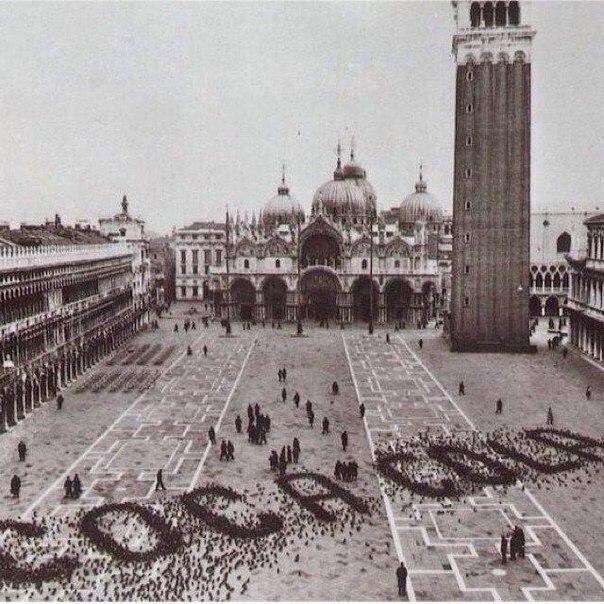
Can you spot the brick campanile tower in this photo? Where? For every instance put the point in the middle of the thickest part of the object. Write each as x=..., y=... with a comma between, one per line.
x=491, y=189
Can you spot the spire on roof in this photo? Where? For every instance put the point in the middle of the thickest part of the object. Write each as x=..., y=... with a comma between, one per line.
x=421, y=185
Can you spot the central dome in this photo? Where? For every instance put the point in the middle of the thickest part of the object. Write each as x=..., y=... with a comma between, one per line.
x=348, y=195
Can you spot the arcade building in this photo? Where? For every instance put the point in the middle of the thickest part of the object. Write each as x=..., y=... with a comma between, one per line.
x=344, y=261
x=66, y=300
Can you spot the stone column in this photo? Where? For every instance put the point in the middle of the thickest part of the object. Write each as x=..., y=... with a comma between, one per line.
x=19, y=393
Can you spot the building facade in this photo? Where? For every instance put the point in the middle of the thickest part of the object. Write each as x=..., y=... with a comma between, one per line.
x=199, y=251
x=124, y=228
x=491, y=195
x=586, y=299
x=161, y=271
x=65, y=302
x=554, y=235
x=344, y=262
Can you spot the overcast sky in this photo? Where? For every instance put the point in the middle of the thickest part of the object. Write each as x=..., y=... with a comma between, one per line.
x=187, y=107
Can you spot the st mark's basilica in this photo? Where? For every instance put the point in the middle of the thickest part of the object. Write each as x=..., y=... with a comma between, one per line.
x=322, y=265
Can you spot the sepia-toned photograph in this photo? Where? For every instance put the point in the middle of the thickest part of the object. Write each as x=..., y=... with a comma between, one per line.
x=301, y=301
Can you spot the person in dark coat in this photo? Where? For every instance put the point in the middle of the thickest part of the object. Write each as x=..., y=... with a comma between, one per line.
x=499, y=406
x=205, y=350
x=212, y=435
x=519, y=541
x=308, y=406
x=362, y=410
x=335, y=388
x=296, y=450
x=250, y=413
x=238, y=424
x=21, y=450
x=297, y=400
x=290, y=457
x=231, y=451
x=387, y=338
x=60, y=400
x=256, y=410
x=421, y=343
x=189, y=351
x=550, y=417
x=504, y=549
x=401, y=579
x=462, y=389
x=344, y=439
x=283, y=371
x=284, y=394
x=76, y=486
x=15, y=486
x=325, y=426
x=67, y=487
x=338, y=470
x=159, y=480
x=311, y=418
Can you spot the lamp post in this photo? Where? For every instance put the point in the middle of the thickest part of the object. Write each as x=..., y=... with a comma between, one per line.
x=299, y=328
x=228, y=274
x=371, y=221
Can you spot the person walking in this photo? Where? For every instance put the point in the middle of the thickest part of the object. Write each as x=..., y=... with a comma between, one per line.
x=212, y=435
x=60, y=400
x=159, y=480
x=387, y=338
x=297, y=400
x=504, y=548
x=15, y=486
x=462, y=389
x=67, y=487
x=311, y=418
x=238, y=424
x=401, y=579
x=231, y=450
x=588, y=393
x=223, y=451
x=344, y=439
x=76, y=486
x=499, y=406
x=421, y=343
x=362, y=410
x=325, y=426
x=21, y=450
x=284, y=394
x=205, y=350
x=550, y=417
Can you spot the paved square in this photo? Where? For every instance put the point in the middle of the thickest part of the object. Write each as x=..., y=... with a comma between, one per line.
x=151, y=405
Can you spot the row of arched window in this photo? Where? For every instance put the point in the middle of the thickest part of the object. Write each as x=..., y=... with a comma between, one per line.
x=489, y=14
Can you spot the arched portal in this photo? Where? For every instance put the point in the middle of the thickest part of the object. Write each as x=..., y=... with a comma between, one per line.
x=319, y=289
x=275, y=295
x=534, y=306
x=320, y=244
x=361, y=299
x=398, y=299
x=243, y=296
x=552, y=306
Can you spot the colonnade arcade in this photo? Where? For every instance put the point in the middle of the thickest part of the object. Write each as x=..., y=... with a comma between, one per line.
x=25, y=388
x=321, y=295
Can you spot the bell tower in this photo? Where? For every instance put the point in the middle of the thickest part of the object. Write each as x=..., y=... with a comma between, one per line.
x=491, y=189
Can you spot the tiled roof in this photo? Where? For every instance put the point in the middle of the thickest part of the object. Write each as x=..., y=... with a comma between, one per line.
x=199, y=226
x=51, y=235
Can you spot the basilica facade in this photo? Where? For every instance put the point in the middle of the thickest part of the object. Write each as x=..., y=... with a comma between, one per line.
x=343, y=261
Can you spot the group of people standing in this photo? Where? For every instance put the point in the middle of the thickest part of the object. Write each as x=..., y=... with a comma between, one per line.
x=516, y=544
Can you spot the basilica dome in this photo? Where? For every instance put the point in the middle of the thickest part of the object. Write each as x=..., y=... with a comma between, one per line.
x=348, y=195
x=420, y=205
x=281, y=208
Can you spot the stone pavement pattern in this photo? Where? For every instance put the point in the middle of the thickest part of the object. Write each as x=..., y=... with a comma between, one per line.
x=452, y=552
x=166, y=427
